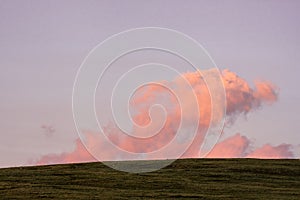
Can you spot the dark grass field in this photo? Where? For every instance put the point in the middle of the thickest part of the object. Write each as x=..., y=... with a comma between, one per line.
x=188, y=178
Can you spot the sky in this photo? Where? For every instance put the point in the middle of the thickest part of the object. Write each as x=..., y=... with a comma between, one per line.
x=43, y=43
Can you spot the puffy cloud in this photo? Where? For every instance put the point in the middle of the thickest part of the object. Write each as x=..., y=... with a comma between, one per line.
x=240, y=99
x=274, y=152
x=232, y=147
x=236, y=146
x=79, y=154
x=239, y=146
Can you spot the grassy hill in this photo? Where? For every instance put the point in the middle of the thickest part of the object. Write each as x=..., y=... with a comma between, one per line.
x=188, y=178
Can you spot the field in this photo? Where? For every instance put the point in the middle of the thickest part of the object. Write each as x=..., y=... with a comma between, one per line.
x=187, y=178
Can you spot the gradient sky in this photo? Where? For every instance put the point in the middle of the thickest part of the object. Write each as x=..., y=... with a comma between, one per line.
x=42, y=44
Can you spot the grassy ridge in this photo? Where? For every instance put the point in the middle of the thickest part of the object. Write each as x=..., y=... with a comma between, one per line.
x=188, y=178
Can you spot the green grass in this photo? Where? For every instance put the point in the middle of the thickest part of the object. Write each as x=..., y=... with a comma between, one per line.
x=188, y=178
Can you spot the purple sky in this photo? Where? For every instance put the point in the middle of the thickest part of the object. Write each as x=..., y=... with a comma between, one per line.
x=42, y=44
